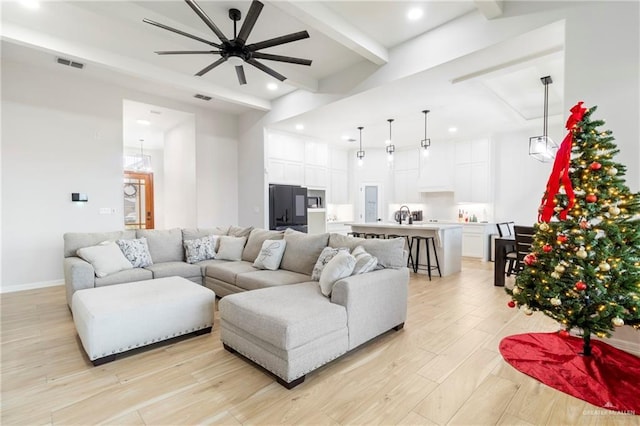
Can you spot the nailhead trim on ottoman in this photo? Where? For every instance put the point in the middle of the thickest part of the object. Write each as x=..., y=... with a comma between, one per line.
x=118, y=318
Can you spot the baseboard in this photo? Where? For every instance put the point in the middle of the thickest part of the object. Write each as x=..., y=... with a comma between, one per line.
x=30, y=286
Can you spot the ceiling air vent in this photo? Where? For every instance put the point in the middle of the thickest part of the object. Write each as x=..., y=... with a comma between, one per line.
x=70, y=63
x=203, y=97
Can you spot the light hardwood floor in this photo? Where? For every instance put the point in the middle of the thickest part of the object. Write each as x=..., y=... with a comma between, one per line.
x=444, y=367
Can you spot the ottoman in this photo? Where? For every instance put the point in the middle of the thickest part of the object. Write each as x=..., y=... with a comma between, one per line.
x=289, y=330
x=118, y=318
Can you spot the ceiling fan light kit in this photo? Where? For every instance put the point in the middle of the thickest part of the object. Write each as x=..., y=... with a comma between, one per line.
x=236, y=51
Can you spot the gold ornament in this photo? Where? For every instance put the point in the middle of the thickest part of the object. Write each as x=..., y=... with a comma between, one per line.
x=612, y=171
x=614, y=211
x=555, y=301
x=582, y=253
x=555, y=275
x=528, y=311
x=559, y=269
x=516, y=290
x=604, y=266
x=544, y=227
x=617, y=321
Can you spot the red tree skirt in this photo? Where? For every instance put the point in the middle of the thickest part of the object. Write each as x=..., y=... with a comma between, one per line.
x=609, y=378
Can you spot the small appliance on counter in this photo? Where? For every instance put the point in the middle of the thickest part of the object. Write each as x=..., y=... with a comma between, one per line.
x=314, y=202
x=417, y=215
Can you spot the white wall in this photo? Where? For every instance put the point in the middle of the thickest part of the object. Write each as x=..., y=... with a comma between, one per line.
x=62, y=133
x=374, y=170
x=180, y=176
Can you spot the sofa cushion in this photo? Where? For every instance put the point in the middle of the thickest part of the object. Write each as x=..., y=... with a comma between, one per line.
x=239, y=231
x=364, y=261
x=340, y=266
x=106, y=258
x=209, y=262
x=264, y=278
x=76, y=240
x=195, y=233
x=164, y=245
x=390, y=253
x=228, y=271
x=169, y=269
x=270, y=255
x=126, y=276
x=326, y=255
x=302, y=251
x=136, y=251
x=230, y=248
x=255, y=240
x=200, y=249
x=287, y=316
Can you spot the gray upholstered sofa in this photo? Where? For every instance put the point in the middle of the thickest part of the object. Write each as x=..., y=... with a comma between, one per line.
x=285, y=323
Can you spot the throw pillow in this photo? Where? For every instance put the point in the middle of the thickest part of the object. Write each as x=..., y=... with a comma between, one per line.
x=327, y=254
x=364, y=261
x=341, y=266
x=270, y=255
x=238, y=231
x=231, y=248
x=106, y=258
x=200, y=249
x=302, y=251
x=136, y=251
x=255, y=240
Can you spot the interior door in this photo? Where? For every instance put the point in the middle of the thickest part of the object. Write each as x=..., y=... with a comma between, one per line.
x=138, y=200
x=370, y=203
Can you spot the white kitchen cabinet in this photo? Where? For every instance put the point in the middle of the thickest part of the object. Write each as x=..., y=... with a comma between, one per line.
x=406, y=160
x=316, y=154
x=472, y=182
x=436, y=168
x=286, y=147
x=315, y=176
x=338, y=159
x=339, y=188
x=406, y=186
x=476, y=239
x=285, y=172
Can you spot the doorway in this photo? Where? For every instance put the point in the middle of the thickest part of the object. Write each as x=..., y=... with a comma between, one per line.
x=369, y=202
x=138, y=200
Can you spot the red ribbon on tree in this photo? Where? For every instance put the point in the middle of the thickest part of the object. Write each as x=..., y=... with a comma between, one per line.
x=560, y=172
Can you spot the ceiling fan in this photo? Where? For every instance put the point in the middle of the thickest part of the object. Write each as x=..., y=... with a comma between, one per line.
x=236, y=51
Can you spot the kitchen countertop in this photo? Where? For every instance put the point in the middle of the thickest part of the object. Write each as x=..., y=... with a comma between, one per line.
x=418, y=225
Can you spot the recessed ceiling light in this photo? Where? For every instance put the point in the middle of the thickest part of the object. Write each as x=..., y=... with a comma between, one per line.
x=345, y=137
x=143, y=122
x=272, y=86
x=414, y=14
x=30, y=4
x=299, y=126
x=453, y=129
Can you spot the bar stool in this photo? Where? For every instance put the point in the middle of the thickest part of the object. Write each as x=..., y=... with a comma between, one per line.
x=356, y=234
x=416, y=243
x=374, y=235
x=410, y=263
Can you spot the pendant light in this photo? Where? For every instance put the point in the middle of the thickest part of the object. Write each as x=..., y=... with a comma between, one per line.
x=360, y=153
x=390, y=146
x=543, y=148
x=426, y=142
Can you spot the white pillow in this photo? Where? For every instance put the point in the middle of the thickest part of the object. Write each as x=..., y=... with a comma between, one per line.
x=339, y=267
x=106, y=258
x=231, y=247
x=364, y=261
x=200, y=249
x=136, y=251
x=326, y=255
x=270, y=254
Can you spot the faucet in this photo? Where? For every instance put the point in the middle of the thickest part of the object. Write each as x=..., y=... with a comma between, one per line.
x=410, y=219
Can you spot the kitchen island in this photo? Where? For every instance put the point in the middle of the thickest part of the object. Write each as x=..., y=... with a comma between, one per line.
x=448, y=239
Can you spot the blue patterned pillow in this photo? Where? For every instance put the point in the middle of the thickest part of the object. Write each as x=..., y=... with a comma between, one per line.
x=136, y=251
x=200, y=249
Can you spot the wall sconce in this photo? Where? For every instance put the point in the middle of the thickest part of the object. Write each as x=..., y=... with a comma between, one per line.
x=390, y=146
x=426, y=142
x=543, y=148
x=77, y=196
x=360, y=153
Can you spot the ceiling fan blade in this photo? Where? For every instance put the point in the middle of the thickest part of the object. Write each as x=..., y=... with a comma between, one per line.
x=280, y=58
x=193, y=5
x=240, y=73
x=182, y=33
x=186, y=52
x=278, y=40
x=249, y=21
x=266, y=69
x=210, y=67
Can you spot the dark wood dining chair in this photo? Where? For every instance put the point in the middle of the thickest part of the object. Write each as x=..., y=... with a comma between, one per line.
x=505, y=229
x=524, y=240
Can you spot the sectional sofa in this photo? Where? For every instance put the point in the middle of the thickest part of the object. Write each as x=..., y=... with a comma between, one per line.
x=282, y=318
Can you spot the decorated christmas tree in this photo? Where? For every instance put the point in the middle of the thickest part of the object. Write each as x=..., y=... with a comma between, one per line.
x=584, y=266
